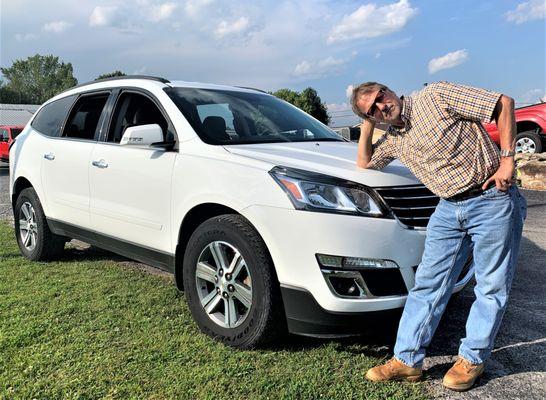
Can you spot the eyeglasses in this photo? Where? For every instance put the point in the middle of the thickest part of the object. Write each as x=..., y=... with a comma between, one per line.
x=373, y=108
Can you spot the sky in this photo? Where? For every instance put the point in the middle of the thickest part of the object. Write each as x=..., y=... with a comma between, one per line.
x=272, y=44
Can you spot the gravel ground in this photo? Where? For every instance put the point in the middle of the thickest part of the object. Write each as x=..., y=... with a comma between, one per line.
x=517, y=369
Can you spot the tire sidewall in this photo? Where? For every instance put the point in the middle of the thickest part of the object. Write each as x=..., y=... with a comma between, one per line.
x=214, y=230
x=536, y=138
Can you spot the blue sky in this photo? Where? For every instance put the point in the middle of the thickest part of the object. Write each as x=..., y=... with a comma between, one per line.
x=329, y=45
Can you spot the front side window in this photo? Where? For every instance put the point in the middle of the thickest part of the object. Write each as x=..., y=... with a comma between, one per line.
x=231, y=117
x=4, y=135
x=133, y=109
x=84, y=118
x=50, y=118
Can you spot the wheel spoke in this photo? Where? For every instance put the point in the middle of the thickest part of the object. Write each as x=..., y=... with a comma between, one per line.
x=23, y=225
x=236, y=259
x=212, y=303
x=26, y=240
x=238, y=267
x=218, y=254
x=205, y=271
x=32, y=239
x=25, y=211
x=230, y=316
x=243, y=294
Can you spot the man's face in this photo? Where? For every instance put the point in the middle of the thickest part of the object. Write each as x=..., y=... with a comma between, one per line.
x=381, y=105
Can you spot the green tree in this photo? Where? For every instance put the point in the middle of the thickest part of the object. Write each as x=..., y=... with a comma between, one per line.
x=111, y=75
x=308, y=100
x=37, y=79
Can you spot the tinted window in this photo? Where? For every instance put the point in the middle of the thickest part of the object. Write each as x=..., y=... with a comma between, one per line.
x=134, y=109
x=15, y=132
x=232, y=117
x=3, y=134
x=84, y=117
x=51, y=117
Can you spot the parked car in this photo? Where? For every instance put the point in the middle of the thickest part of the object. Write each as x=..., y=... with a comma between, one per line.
x=7, y=134
x=257, y=208
x=530, y=126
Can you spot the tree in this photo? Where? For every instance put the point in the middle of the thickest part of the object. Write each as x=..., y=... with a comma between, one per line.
x=308, y=100
x=111, y=75
x=36, y=79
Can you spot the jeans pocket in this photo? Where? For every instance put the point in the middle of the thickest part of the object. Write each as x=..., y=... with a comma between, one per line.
x=494, y=193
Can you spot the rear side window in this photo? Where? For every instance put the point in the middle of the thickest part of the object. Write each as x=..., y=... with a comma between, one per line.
x=84, y=118
x=50, y=118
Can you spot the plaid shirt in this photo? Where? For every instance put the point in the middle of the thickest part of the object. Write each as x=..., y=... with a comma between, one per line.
x=443, y=142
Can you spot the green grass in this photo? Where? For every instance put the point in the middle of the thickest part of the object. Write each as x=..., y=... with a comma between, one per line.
x=88, y=327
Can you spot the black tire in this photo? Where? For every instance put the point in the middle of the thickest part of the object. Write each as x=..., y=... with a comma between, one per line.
x=265, y=320
x=47, y=245
x=531, y=137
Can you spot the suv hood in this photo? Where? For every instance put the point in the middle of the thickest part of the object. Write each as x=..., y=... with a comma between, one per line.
x=330, y=158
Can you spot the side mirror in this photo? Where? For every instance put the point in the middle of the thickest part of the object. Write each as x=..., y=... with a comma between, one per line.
x=142, y=135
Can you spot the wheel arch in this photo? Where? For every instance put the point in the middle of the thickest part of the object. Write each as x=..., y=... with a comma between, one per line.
x=527, y=125
x=193, y=218
x=19, y=185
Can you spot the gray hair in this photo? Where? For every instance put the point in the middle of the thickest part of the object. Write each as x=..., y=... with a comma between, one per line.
x=364, y=88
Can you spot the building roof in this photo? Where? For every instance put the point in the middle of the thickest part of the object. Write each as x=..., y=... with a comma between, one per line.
x=16, y=114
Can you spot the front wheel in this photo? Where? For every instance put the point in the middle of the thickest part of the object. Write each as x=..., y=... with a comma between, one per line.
x=35, y=239
x=528, y=142
x=230, y=283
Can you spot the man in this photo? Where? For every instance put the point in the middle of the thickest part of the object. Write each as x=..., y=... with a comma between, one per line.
x=437, y=134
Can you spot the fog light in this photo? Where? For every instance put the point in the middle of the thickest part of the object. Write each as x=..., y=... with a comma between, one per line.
x=353, y=263
x=330, y=261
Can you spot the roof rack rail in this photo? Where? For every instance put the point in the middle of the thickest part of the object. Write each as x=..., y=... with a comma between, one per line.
x=115, y=78
x=251, y=88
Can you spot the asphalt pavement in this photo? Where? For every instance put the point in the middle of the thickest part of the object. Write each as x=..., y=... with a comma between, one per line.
x=517, y=368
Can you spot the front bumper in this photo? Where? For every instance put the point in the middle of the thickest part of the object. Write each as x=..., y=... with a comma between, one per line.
x=294, y=238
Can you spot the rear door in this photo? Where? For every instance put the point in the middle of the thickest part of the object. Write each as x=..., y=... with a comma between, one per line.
x=66, y=160
x=131, y=186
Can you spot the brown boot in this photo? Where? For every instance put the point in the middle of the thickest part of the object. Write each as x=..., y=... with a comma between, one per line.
x=462, y=375
x=394, y=370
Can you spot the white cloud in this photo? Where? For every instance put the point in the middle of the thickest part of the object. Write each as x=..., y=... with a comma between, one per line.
x=349, y=90
x=23, y=37
x=103, y=16
x=57, y=26
x=225, y=28
x=162, y=11
x=377, y=55
x=531, y=96
x=447, y=61
x=527, y=11
x=194, y=7
x=319, y=69
x=338, y=108
x=371, y=20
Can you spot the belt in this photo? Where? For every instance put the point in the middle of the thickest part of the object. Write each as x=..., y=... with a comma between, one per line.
x=474, y=191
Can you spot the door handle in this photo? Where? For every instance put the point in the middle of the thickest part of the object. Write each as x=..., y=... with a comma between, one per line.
x=49, y=156
x=100, y=163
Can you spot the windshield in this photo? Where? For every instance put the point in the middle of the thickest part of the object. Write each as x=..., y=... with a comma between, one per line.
x=230, y=117
x=15, y=132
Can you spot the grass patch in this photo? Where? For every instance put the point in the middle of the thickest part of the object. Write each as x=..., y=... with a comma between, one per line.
x=88, y=328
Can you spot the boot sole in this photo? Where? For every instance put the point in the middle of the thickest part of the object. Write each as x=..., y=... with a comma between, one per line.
x=462, y=387
x=412, y=379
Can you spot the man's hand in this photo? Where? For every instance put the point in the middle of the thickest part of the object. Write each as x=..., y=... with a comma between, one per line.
x=503, y=178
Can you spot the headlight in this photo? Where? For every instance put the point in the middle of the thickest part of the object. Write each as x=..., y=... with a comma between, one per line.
x=323, y=193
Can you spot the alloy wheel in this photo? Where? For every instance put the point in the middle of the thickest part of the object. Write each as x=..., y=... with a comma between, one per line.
x=28, y=228
x=525, y=145
x=224, y=284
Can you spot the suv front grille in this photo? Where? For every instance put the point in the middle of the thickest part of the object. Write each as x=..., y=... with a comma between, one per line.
x=413, y=205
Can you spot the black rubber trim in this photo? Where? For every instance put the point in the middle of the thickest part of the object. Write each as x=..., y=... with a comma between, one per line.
x=306, y=317
x=159, y=259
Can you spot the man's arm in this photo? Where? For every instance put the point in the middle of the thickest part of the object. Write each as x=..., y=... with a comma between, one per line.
x=506, y=123
x=365, y=149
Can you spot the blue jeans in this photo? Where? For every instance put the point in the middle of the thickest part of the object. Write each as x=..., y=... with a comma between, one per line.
x=490, y=227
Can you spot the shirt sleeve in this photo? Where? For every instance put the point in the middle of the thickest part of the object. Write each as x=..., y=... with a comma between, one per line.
x=384, y=152
x=466, y=101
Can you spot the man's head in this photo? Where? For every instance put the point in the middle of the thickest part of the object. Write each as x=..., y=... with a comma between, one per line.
x=376, y=102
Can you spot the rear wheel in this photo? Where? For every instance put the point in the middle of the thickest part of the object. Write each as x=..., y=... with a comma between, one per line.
x=35, y=239
x=528, y=142
x=230, y=283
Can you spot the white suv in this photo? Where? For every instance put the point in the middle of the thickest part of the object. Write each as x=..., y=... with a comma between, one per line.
x=257, y=208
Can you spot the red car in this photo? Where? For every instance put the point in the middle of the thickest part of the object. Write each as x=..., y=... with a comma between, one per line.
x=7, y=134
x=531, y=129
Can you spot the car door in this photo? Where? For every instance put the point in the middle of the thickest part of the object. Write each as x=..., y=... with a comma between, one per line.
x=66, y=159
x=130, y=185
